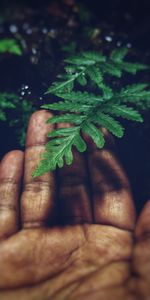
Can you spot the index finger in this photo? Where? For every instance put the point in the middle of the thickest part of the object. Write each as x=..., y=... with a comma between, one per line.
x=37, y=202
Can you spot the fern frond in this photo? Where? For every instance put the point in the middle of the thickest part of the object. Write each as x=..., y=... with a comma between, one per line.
x=125, y=112
x=119, y=54
x=109, y=123
x=87, y=110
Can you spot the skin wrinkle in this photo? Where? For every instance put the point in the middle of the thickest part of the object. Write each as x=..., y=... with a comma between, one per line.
x=84, y=279
x=97, y=269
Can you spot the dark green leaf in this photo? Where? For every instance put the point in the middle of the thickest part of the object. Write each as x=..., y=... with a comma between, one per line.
x=125, y=112
x=109, y=123
x=94, y=133
x=118, y=55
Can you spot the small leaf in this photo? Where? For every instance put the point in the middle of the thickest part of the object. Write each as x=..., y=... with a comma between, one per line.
x=79, y=59
x=107, y=91
x=125, y=112
x=118, y=55
x=68, y=118
x=109, y=123
x=94, y=56
x=61, y=86
x=62, y=131
x=80, y=143
x=82, y=80
x=68, y=156
x=68, y=106
x=134, y=88
x=95, y=134
x=11, y=46
x=132, y=68
x=112, y=69
x=81, y=97
x=2, y=116
x=95, y=75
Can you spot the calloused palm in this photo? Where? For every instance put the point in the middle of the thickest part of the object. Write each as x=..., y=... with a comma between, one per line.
x=70, y=243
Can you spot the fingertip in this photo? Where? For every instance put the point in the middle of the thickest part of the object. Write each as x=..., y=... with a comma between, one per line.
x=38, y=128
x=12, y=165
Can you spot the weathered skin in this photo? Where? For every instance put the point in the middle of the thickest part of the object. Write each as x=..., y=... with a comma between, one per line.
x=67, y=243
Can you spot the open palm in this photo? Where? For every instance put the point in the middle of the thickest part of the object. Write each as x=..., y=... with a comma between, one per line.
x=70, y=243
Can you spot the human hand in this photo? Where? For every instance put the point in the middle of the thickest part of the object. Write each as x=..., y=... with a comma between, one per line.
x=65, y=243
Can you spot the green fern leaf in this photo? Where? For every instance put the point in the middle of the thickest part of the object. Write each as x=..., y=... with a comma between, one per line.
x=68, y=156
x=134, y=88
x=94, y=56
x=11, y=46
x=82, y=80
x=107, y=91
x=67, y=106
x=79, y=143
x=125, y=112
x=109, y=123
x=2, y=116
x=112, y=69
x=119, y=54
x=95, y=75
x=126, y=96
x=132, y=68
x=6, y=103
x=67, y=118
x=80, y=60
x=94, y=133
x=61, y=86
x=70, y=69
x=81, y=97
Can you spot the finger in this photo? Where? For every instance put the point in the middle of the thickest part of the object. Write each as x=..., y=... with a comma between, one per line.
x=37, y=202
x=74, y=196
x=11, y=171
x=112, y=199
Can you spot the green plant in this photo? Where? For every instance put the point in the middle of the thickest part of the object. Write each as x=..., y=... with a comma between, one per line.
x=16, y=112
x=96, y=106
x=11, y=46
x=5, y=104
